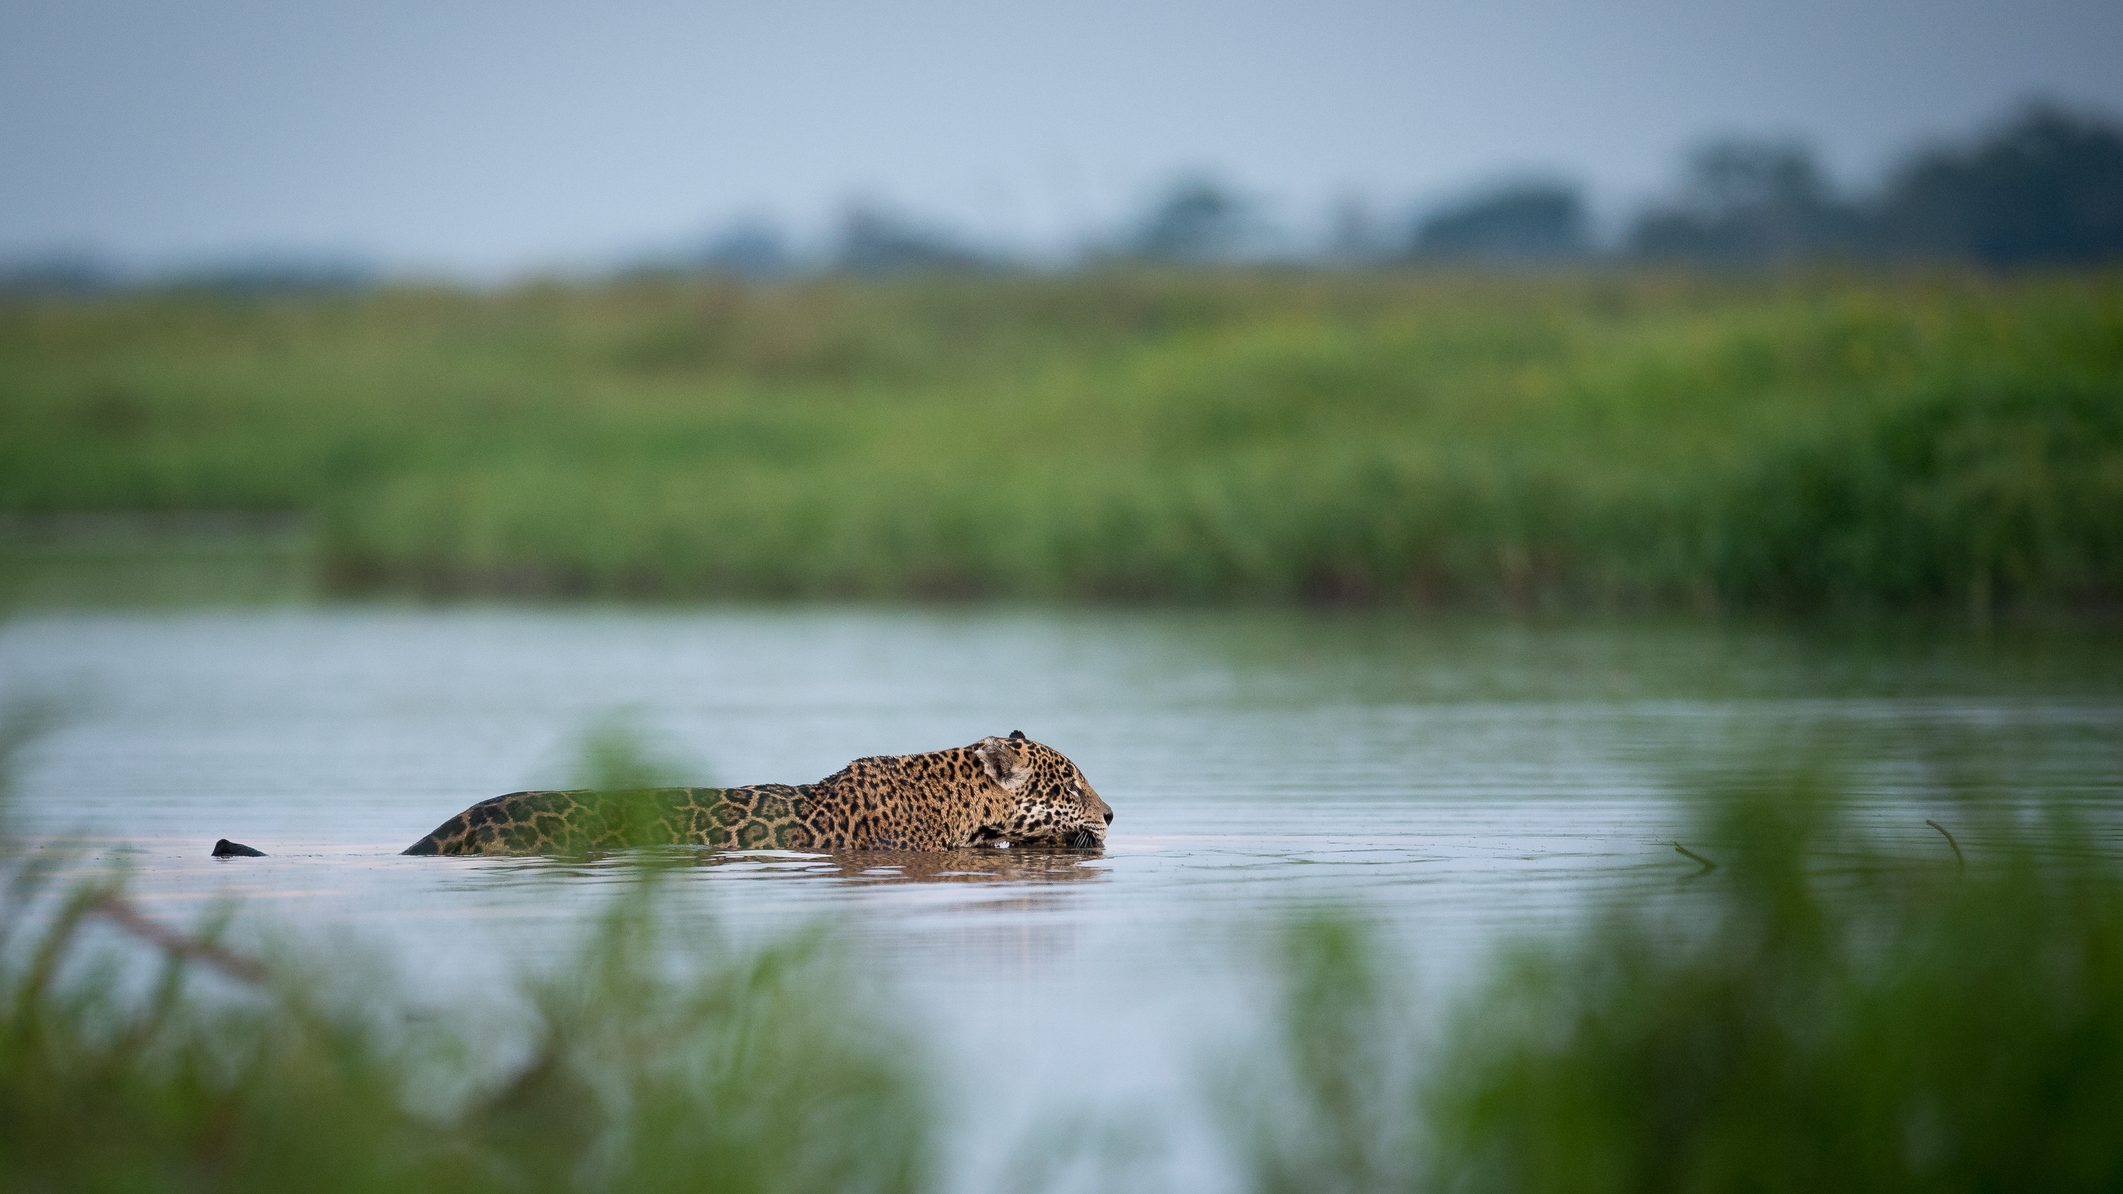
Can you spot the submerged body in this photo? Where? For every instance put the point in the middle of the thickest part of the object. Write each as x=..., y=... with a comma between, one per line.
x=997, y=790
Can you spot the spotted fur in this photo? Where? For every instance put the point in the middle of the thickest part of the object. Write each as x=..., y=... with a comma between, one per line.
x=998, y=790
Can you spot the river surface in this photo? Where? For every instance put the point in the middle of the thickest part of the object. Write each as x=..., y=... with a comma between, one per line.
x=1459, y=782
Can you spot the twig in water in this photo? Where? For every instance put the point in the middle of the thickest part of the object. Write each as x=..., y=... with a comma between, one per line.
x=1958, y=861
x=1708, y=866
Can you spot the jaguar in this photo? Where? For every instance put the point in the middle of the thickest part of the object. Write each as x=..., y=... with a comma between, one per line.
x=995, y=792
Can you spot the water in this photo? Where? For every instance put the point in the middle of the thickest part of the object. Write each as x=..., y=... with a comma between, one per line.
x=1458, y=781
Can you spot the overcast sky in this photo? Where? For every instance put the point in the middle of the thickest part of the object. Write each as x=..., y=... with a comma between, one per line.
x=486, y=139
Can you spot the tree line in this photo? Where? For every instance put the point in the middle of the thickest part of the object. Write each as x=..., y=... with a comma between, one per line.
x=2043, y=187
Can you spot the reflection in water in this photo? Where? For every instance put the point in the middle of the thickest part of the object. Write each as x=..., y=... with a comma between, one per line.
x=1012, y=865
x=1017, y=864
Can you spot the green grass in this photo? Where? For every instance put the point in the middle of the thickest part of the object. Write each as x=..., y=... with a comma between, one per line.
x=1603, y=440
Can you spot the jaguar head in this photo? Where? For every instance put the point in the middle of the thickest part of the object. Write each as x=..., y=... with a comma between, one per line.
x=1038, y=797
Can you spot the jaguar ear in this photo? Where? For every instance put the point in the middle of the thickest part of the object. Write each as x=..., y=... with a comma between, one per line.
x=1017, y=735
x=999, y=757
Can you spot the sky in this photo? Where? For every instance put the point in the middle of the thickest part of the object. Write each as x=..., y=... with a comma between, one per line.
x=485, y=140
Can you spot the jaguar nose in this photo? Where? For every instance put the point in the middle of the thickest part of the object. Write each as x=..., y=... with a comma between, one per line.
x=1109, y=816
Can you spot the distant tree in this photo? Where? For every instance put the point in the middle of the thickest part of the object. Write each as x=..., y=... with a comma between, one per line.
x=271, y=274
x=750, y=248
x=1749, y=202
x=1199, y=220
x=873, y=240
x=2045, y=188
x=1531, y=221
x=53, y=275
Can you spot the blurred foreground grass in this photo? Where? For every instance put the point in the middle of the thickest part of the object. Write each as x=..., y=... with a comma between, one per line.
x=1797, y=442
x=659, y=1057
x=1813, y=1013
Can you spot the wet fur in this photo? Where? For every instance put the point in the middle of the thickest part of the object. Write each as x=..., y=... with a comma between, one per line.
x=998, y=790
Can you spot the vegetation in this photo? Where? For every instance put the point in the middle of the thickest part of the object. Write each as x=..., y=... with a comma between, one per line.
x=1191, y=436
x=1813, y=1012
x=134, y=1056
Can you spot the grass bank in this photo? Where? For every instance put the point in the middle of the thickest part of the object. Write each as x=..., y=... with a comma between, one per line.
x=1591, y=440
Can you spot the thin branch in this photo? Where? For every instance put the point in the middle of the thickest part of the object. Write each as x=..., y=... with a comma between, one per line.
x=1958, y=861
x=1708, y=866
x=118, y=911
